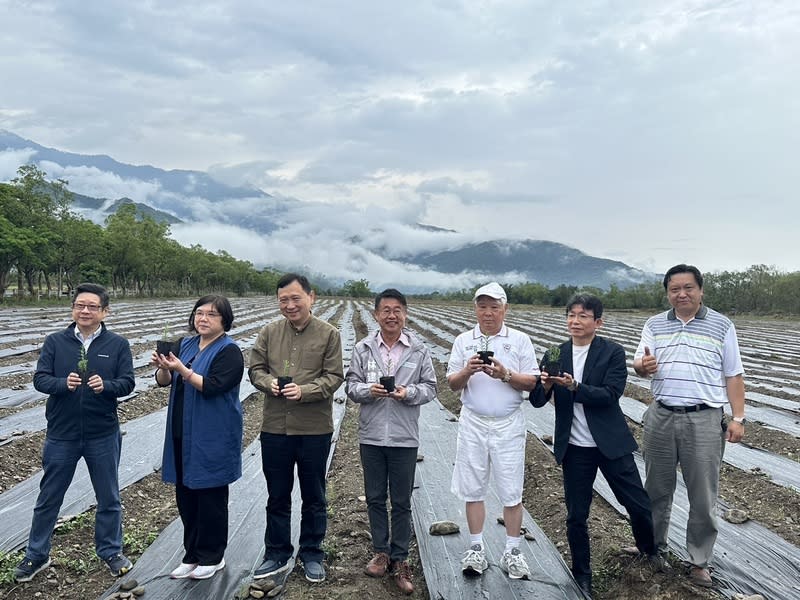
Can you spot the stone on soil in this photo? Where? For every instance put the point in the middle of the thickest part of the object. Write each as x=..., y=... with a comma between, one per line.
x=736, y=516
x=443, y=528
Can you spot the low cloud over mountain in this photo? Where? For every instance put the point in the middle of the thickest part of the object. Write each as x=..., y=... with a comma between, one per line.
x=386, y=246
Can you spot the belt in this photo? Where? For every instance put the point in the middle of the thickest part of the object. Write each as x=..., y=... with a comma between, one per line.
x=684, y=409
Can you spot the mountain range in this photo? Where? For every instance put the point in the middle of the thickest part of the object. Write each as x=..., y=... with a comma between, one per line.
x=336, y=242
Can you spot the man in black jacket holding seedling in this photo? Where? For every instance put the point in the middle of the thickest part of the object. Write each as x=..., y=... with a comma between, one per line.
x=84, y=369
x=591, y=432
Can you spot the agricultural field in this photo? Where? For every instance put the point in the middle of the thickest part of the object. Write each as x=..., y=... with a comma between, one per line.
x=760, y=477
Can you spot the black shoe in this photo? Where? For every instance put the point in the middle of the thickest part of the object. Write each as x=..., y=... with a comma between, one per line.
x=27, y=569
x=315, y=572
x=270, y=567
x=118, y=564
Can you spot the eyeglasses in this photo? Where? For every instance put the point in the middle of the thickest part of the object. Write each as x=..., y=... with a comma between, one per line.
x=580, y=317
x=89, y=307
x=210, y=314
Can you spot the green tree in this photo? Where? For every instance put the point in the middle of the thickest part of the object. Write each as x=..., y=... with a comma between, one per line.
x=357, y=289
x=32, y=206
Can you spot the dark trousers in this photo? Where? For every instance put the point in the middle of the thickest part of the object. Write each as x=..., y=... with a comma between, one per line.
x=279, y=455
x=204, y=514
x=580, y=469
x=59, y=460
x=392, y=468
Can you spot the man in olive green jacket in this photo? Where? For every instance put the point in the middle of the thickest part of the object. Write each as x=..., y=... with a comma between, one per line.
x=297, y=424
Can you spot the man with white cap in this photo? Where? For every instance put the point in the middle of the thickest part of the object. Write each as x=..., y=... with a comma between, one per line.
x=491, y=430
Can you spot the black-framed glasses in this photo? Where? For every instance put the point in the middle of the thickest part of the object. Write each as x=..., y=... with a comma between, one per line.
x=90, y=307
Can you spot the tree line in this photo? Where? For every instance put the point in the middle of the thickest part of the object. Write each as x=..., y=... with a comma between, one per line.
x=50, y=249
x=760, y=289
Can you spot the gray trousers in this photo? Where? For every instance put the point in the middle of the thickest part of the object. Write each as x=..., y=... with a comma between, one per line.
x=696, y=442
x=392, y=469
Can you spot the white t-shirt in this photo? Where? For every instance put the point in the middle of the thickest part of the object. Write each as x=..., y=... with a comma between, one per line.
x=580, y=435
x=485, y=395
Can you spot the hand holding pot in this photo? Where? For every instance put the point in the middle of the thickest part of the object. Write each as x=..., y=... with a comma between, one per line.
x=73, y=381
x=95, y=382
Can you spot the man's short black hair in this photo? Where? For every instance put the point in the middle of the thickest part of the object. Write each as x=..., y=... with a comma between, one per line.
x=682, y=268
x=291, y=277
x=221, y=304
x=92, y=288
x=390, y=293
x=588, y=302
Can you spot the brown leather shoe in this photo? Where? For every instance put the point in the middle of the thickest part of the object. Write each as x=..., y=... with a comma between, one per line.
x=700, y=576
x=378, y=565
x=402, y=576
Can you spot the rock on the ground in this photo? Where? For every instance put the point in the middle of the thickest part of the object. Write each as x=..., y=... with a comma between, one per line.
x=736, y=516
x=443, y=528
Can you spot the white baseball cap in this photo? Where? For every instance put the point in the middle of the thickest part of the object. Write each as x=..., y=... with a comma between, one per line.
x=493, y=290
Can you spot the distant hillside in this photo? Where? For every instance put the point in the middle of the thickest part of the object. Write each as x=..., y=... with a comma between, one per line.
x=97, y=209
x=549, y=263
x=291, y=232
x=176, y=180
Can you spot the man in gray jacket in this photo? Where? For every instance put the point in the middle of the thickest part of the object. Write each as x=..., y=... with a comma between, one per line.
x=389, y=428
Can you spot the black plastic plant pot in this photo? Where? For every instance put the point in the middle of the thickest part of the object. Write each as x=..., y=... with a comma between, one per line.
x=486, y=356
x=164, y=347
x=553, y=369
x=388, y=383
x=86, y=376
x=284, y=381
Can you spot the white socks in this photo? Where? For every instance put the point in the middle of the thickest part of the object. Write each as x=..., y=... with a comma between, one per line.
x=512, y=542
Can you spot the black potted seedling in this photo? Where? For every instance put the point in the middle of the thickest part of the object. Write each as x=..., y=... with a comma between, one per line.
x=284, y=379
x=484, y=352
x=387, y=381
x=164, y=346
x=552, y=361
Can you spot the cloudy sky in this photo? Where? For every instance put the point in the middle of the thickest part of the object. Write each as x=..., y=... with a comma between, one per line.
x=652, y=132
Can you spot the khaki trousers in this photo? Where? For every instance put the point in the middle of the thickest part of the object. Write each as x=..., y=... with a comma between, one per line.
x=696, y=442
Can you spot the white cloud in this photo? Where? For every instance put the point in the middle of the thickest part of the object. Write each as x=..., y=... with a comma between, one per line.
x=619, y=128
x=11, y=160
x=91, y=181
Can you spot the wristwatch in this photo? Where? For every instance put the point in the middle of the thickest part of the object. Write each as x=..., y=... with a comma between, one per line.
x=507, y=377
x=739, y=420
x=573, y=386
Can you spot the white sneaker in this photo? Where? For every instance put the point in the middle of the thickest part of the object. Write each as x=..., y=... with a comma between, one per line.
x=514, y=564
x=206, y=572
x=183, y=570
x=474, y=561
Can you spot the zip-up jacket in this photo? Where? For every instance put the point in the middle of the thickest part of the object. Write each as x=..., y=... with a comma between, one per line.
x=386, y=421
x=82, y=414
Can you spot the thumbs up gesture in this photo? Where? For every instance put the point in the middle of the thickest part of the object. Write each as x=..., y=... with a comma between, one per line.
x=649, y=364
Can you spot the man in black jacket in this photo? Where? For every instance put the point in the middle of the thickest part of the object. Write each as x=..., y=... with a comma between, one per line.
x=591, y=432
x=84, y=369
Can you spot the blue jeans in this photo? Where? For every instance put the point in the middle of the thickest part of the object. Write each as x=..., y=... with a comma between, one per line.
x=59, y=460
x=279, y=455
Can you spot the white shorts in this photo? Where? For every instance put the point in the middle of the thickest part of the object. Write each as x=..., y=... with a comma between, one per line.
x=490, y=446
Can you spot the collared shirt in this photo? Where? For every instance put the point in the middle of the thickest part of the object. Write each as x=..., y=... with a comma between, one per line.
x=314, y=359
x=486, y=395
x=694, y=358
x=87, y=341
x=391, y=355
